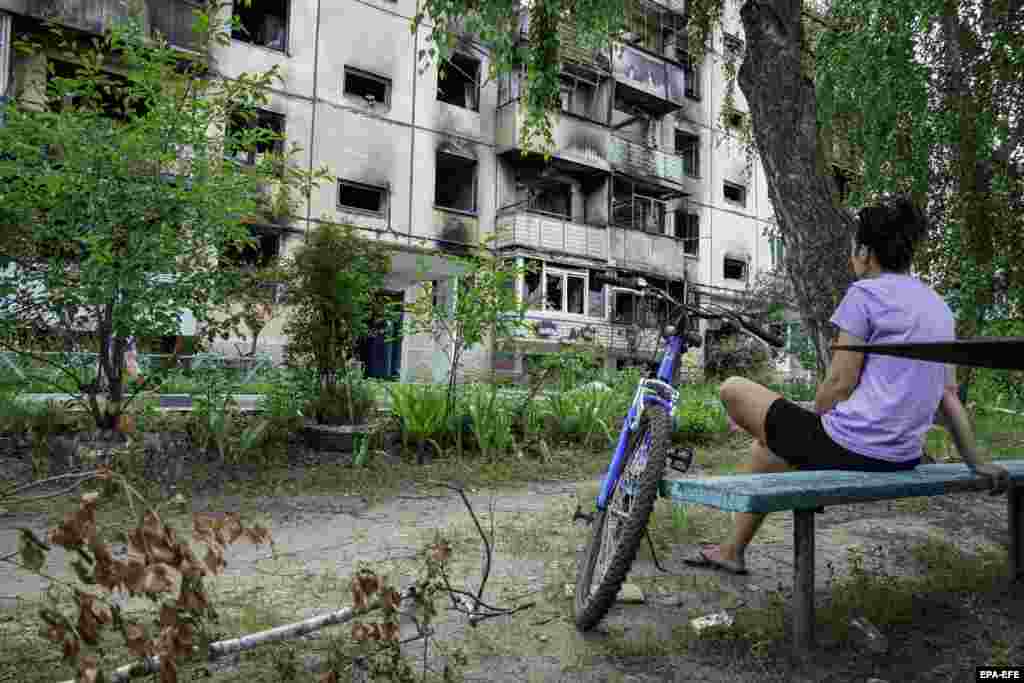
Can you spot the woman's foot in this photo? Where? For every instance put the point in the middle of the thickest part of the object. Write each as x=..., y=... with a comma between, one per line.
x=718, y=557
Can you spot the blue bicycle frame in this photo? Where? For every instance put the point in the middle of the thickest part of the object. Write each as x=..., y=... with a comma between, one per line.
x=657, y=391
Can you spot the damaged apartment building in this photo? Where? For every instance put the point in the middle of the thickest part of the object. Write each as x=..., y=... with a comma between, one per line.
x=644, y=178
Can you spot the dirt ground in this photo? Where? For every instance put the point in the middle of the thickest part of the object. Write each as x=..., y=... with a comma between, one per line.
x=319, y=540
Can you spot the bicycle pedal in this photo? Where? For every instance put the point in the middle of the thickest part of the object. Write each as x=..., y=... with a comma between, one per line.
x=686, y=460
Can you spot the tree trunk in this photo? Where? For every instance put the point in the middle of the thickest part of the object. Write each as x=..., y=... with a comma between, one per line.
x=783, y=113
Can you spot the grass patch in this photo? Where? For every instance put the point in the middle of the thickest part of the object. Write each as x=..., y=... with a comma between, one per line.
x=867, y=590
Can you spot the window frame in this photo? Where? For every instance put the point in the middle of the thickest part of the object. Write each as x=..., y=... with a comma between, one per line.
x=742, y=188
x=476, y=184
x=681, y=152
x=565, y=274
x=278, y=145
x=681, y=230
x=384, y=198
x=476, y=81
x=368, y=75
x=287, y=20
x=745, y=265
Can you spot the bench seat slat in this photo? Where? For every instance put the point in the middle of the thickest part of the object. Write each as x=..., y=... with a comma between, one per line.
x=808, y=490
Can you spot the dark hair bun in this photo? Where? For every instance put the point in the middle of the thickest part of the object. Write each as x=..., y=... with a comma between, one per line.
x=892, y=230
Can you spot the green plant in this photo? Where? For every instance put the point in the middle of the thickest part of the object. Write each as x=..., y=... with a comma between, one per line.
x=213, y=408
x=697, y=419
x=335, y=291
x=491, y=421
x=482, y=302
x=421, y=410
x=113, y=229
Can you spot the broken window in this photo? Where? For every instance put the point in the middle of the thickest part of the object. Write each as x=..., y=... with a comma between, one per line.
x=578, y=95
x=455, y=183
x=254, y=133
x=688, y=147
x=261, y=22
x=734, y=269
x=734, y=192
x=553, y=198
x=109, y=95
x=565, y=292
x=596, y=302
x=625, y=307
x=259, y=252
x=688, y=230
x=352, y=195
x=691, y=78
x=636, y=211
x=367, y=87
x=458, y=82
x=533, y=296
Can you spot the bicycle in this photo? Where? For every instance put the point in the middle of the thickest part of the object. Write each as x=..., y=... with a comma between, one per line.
x=630, y=486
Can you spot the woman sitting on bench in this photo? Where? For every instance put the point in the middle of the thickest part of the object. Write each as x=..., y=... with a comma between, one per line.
x=871, y=413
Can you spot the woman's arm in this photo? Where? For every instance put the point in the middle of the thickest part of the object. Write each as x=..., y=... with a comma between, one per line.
x=843, y=375
x=953, y=416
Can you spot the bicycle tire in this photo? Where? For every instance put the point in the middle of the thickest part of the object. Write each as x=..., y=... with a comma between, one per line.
x=593, y=602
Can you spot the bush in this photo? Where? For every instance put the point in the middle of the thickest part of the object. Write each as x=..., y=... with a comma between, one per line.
x=736, y=355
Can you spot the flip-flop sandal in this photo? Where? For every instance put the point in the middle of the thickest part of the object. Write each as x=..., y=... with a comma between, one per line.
x=702, y=560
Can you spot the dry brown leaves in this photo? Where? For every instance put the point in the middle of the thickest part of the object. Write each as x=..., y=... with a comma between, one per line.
x=156, y=562
x=366, y=585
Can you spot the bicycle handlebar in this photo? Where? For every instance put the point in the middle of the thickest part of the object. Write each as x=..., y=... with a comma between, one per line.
x=695, y=311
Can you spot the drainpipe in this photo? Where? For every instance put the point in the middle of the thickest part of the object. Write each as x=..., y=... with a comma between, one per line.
x=312, y=125
x=5, y=56
x=412, y=123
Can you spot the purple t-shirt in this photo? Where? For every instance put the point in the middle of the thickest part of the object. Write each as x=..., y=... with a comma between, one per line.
x=894, y=403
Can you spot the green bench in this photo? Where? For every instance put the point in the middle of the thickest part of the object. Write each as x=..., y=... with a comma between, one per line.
x=807, y=492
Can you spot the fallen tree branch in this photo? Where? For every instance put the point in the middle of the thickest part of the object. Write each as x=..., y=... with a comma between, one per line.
x=222, y=648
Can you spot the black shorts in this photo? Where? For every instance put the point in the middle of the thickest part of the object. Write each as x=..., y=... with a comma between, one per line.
x=797, y=436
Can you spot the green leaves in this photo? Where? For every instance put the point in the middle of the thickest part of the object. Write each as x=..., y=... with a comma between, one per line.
x=31, y=550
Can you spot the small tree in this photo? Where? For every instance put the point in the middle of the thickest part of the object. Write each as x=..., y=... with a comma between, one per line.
x=117, y=200
x=335, y=282
x=483, y=302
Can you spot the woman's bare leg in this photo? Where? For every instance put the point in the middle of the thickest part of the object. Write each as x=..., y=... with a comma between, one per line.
x=747, y=403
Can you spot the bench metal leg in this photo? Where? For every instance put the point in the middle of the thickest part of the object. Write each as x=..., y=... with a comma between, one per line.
x=803, y=580
x=1015, y=508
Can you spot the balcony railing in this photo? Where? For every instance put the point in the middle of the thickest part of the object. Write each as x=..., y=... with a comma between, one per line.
x=576, y=139
x=655, y=253
x=551, y=233
x=645, y=162
x=640, y=213
x=649, y=81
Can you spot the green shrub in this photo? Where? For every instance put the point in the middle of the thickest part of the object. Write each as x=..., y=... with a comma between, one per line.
x=491, y=420
x=697, y=419
x=420, y=409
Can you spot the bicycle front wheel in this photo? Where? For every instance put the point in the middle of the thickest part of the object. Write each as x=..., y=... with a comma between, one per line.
x=618, y=529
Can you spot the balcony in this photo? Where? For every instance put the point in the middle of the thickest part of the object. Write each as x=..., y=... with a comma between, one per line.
x=577, y=140
x=645, y=162
x=570, y=50
x=647, y=81
x=651, y=253
x=551, y=233
x=172, y=18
